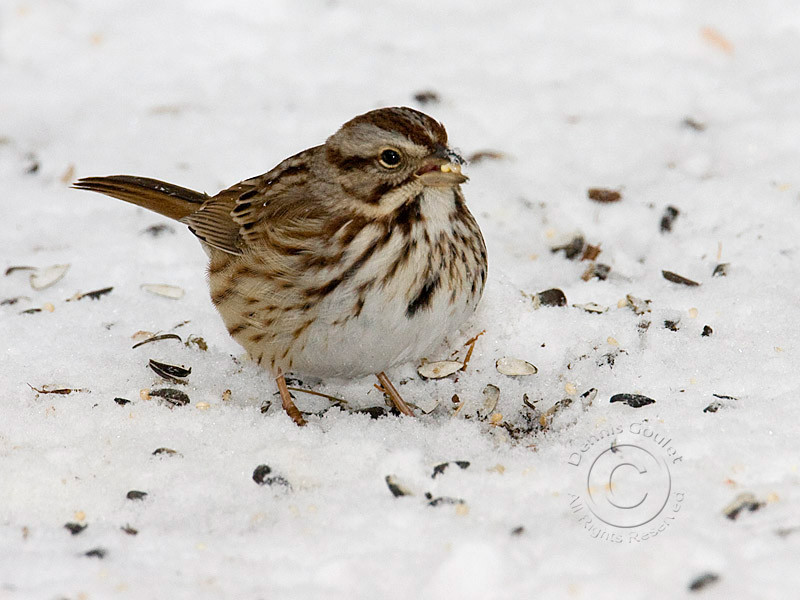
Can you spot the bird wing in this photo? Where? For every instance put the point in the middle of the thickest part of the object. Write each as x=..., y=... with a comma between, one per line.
x=257, y=212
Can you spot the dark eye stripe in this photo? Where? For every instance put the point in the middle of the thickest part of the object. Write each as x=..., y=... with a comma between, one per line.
x=347, y=163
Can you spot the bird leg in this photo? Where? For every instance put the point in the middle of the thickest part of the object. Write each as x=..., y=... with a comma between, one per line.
x=287, y=402
x=394, y=395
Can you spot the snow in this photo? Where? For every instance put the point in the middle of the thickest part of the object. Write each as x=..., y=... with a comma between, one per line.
x=576, y=95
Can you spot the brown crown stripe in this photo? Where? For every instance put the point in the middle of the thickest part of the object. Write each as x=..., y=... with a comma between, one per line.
x=414, y=125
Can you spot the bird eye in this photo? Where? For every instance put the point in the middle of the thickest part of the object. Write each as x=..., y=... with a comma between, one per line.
x=390, y=158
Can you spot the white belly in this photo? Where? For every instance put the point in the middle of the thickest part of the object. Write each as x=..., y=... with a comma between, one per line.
x=380, y=338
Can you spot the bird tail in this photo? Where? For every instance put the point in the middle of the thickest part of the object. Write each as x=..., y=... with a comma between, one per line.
x=164, y=198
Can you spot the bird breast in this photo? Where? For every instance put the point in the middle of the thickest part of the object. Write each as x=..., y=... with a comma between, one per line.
x=374, y=294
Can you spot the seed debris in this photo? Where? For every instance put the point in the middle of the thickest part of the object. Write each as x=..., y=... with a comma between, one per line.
x=260, y=477
x=572, y=249
x=491, y=396
x=471, y=343
x=721, y=401
x=598, y=270
x=163, y=450
x=62, y=391
x=136, y=495
x=721, y=270
x=439, y=369
x=546, y=418
x=591, y=252
x=692, y=123
x=396, y=488
x=637, y=305
x=312, y=392
x=164, y=290
x=171, y=396
x=442, y=500
x=515, y=367
x=374, y=412
x=196, y=340
x=93, y=295
x=680, y=279
x=743, y=502
x=11, y=270
x=668, y=218
x=158, y=338
x=427, y=404
x=440, y=468
x=603, y=195
x=591, y=307
x=41, y=279
x=551, y=297
x=75, y=528
x=703, y=580
x=632, y=400
x=172, y=373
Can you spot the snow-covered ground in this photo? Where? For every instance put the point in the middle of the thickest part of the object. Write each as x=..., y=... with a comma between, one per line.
x=686, y=104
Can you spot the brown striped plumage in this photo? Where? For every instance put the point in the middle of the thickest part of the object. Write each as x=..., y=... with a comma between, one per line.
x=346, y=259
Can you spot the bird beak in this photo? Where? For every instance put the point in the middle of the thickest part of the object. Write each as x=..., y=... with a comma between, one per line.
x=442, y=169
